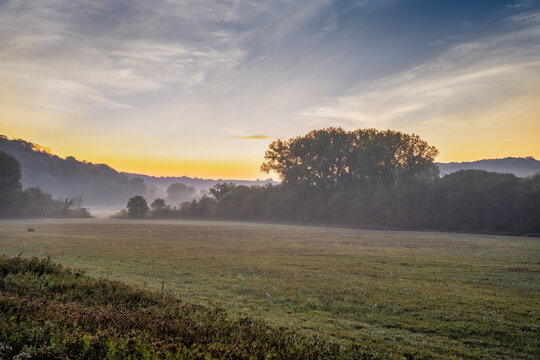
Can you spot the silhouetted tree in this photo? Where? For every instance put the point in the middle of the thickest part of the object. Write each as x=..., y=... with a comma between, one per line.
x=11, y=197
x=160, y=208
x=179, y=192
x=330, y=158
x=10, y=174
x=221, y=191
x=137, y=207
x=390, y=157
x=158, y=204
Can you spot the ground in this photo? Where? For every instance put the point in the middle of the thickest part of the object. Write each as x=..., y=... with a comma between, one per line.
x=434, y=294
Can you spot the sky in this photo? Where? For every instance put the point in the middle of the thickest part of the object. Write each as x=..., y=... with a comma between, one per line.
x=201, y=87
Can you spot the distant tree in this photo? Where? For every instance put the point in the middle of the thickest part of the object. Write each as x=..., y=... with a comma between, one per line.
x=41, y=203
x=160, y=208
x=221, y=191
x=205, y=207
x=158, y=204
x=10, y=174
x=12, y=200
x=137, y=207
x=179, y=192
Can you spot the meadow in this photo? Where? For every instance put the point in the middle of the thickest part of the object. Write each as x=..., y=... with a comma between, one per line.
x=404, y=294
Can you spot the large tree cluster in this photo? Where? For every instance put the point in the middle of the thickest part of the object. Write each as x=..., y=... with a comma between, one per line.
x=374, y=178
x=332, y=158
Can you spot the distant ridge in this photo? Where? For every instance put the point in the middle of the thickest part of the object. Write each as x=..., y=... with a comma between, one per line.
x=98, y=184
x=511, y=165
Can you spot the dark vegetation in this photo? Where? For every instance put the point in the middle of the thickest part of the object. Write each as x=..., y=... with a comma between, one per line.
x=137, y=207
x=372, y=178
x=16, y=202
x=51, y=312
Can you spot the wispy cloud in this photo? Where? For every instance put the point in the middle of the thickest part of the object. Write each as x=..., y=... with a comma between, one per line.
x=107, y=52
x=253, y=137
x=471, y=75
x=186, y=76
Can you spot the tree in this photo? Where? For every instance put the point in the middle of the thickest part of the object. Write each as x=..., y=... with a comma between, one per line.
x=179, y=192
x=221, y=191
x=160, y=208
x=11, y=197
x=137, y=207
x=158, y=204
x=318, y=158
x=332, y=158
x=390, y=157
x=10, y=174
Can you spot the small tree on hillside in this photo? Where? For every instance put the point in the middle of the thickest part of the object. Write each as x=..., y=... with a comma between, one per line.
x=137, y=207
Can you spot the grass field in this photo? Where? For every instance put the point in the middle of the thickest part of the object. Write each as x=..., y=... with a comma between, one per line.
x=420, y=294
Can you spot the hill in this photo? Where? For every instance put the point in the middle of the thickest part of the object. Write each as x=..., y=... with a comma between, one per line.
x=98, y=184
x=521, y=167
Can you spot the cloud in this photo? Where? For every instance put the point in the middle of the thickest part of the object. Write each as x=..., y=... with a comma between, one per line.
x=253, y=137
x=186, y=76
x=471, y=75
x=108, y=53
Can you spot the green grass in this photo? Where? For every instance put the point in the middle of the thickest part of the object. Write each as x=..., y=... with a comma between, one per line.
x=414, y=294
x=48, y=312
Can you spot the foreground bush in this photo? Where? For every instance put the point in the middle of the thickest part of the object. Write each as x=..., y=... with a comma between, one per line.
x=50, y=312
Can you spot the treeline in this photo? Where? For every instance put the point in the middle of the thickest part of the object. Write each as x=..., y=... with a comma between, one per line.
x=97, y=184
x=32, y=201
x=369, y=178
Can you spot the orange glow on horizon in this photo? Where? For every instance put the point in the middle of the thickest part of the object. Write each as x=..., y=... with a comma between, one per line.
x=506, y=131
x=199, y=168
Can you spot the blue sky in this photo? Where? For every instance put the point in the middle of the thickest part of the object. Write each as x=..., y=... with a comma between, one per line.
x=180, y=87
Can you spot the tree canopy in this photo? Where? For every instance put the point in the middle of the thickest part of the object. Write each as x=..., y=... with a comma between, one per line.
x=137, y=207
x=10, y=176
x=332, y=157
